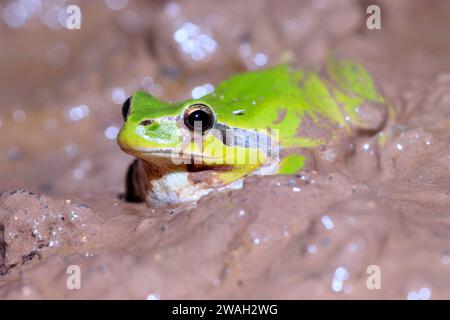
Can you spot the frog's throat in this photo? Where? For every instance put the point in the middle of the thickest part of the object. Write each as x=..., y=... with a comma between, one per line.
x=176, y=184
x=183, y=186
x=175, y=187
x=158, y=183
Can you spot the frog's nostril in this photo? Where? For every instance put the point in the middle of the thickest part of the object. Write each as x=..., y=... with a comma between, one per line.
x=147, y=122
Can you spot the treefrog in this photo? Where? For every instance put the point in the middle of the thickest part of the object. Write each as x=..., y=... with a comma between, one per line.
x=279, y=120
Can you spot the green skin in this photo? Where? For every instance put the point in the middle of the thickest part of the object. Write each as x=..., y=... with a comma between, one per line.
x=281, y=99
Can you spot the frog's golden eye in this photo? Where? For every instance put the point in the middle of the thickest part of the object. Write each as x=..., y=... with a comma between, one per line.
x=126, y=108
x=199, y=115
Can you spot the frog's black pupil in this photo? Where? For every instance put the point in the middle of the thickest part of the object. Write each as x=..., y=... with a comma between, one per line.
x=201, y=116
x=126, y=108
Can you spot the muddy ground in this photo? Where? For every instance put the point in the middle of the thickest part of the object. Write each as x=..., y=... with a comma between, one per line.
x=62, y=172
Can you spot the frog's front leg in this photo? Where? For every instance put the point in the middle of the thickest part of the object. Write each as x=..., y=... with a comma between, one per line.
x=135, y=184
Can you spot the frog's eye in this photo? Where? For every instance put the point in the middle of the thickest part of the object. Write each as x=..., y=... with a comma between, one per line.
x=126, y=108
x=199, y=115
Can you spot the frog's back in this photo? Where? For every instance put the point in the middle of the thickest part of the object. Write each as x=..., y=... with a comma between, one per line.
x=282, y=98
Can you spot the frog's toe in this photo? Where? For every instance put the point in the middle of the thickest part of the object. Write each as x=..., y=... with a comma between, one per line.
x=333, y=155
x=371, y=117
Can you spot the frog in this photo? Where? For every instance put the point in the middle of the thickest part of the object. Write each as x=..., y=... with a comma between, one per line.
x=280, y=120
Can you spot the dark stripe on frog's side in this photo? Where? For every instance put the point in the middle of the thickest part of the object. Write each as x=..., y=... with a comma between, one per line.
x=243, y=138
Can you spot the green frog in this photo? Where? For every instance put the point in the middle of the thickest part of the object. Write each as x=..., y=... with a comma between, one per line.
x=279, y=120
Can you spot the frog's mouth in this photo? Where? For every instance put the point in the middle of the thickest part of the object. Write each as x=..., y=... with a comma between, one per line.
x=190, y=162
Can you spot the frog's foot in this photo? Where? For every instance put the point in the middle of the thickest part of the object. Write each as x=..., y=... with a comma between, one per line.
x=371, y=117
x=333, y=155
